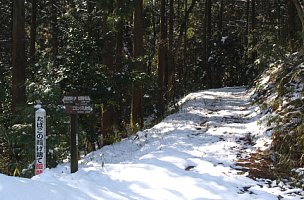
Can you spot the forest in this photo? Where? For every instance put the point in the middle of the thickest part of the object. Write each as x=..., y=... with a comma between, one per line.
x=135, y=59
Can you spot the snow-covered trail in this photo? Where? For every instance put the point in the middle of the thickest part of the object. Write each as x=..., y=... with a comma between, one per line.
x=189, y=155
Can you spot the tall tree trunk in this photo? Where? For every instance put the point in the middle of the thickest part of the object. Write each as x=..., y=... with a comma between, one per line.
x=247, y=31
x=18, y=55
x=253, y=30
x=107, y=123
x=181, y=60
x=217, y=73
x=300, y=11
x=220, y=20
x=107, y=111
x=89, y=140
x=32, y=50
x=137, y=90
x=119, y=57
x=291, y=25
x=153, y=41
x=184, y=56
x=119, y=37
x=171, y=57
x=33, y=32
x=162, y=61
x=208, y=7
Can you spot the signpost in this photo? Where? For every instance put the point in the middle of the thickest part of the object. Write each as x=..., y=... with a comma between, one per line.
x=40, y=140
x=75, y=105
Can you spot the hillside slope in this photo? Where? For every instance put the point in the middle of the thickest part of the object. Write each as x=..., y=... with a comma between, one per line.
x=280, y=94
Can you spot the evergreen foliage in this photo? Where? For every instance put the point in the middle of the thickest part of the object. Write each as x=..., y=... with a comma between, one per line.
x=77, y=51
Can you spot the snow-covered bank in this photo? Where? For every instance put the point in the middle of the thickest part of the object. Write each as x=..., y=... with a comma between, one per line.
x=189, y=155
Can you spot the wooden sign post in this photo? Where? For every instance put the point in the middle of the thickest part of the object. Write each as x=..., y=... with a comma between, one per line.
x=75, y=105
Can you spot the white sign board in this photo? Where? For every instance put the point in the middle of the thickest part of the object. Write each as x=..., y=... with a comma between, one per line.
x=40, y=140
x=77, y=100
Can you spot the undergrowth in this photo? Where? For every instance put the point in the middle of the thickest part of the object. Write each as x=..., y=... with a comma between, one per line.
x=280, y=94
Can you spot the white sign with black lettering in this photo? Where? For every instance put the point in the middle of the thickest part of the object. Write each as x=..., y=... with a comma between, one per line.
x=40, y=140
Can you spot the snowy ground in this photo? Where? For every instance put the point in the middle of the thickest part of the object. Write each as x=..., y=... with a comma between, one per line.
x=189, y=155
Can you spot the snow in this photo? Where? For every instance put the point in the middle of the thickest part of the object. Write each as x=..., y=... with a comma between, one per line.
x=191, y=154
x=224, y=39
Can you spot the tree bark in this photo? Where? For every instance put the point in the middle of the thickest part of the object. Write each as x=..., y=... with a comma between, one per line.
x=184, y=53
x=208, y=7
x=300, y=11
x=119, y=58
x=171, y=58
x=137, y=90
x=18, y=55
x=119, y=37
x=107, y=122
x=253, y=30
x=247, y=31
x=220, y=20
x=162, y=61
x=107, y=111
x=32, y=49
x=33, y=32
x=183, y=24
x=291, y=25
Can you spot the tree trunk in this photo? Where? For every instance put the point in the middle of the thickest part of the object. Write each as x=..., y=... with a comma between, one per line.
x=247, y=31
x=291, y=25
x=208, y=7
x=253, y=30
x=220, y=18
x=18, y=55
x=181, y=55
x=162, y=61
x=107, y=123
x=33, y=32
x=171, y=58
x=217, y=70
x=119, y=58
x=107, y=111
x=153, y=41
x=119, y=38
x=137, y=90
x=32, y=50
x=184, y=56
x=300, y=11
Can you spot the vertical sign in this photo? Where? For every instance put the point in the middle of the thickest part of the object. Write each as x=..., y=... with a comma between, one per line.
x=40, y=140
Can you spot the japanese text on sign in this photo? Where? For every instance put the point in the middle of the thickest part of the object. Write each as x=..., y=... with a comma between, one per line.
x=40, y=141
x=77, y=100
x=78, y=104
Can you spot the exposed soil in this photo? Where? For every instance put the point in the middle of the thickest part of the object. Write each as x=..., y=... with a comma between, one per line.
x=259, y=165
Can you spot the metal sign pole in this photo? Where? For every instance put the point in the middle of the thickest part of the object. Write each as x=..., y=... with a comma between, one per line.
x=74, y=149
x=40, y=140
